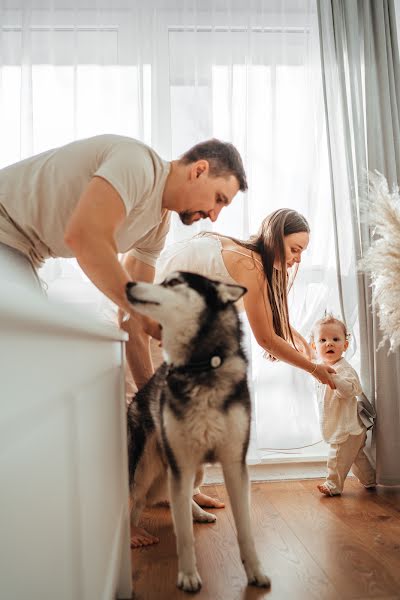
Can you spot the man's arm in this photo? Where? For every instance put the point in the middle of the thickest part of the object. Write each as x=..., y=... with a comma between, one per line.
x=139, y=327
x=90, y=234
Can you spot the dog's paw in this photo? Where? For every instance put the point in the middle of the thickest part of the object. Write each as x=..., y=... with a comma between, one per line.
x=189, y=582
x=200, y=515
x=258, y=579
x=204, y=517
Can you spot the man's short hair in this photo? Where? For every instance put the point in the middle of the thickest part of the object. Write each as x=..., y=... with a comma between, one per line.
x=223, y=158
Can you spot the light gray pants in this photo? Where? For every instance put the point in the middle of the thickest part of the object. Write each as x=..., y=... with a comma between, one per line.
x=345, y=456
x=16, y=269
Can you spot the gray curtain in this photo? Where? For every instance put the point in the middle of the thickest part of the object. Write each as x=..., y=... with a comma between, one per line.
x=361, y=78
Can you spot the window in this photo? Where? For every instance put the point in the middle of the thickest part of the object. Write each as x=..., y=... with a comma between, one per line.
x=171, y=78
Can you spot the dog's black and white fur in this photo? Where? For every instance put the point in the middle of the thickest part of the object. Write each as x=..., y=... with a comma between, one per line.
x=195, y=409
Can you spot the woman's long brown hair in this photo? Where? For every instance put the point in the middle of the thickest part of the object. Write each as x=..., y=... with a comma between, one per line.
x=269, y=244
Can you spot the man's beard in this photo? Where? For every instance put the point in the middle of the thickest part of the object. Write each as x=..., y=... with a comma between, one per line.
x=186, y=216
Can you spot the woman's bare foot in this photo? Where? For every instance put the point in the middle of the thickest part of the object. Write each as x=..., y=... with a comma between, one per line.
x=207, y=502
x=141, y=537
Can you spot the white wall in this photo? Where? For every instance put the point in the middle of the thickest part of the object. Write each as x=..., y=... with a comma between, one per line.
x=63, y=466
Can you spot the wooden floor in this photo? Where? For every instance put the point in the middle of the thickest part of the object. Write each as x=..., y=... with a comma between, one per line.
x=310, y=546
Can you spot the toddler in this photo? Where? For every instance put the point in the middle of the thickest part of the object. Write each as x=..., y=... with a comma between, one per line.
x=341, y=426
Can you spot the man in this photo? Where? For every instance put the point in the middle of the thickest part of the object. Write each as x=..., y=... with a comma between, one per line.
x=109, y=194
x=97, y=197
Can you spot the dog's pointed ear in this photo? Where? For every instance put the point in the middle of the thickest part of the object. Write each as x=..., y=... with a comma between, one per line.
x=230, y=293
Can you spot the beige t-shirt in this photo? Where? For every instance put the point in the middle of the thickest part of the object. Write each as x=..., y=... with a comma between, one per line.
x=39, y=194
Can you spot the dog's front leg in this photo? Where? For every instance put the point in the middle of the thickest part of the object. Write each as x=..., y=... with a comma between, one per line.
x=237, y=483
x=181, y=489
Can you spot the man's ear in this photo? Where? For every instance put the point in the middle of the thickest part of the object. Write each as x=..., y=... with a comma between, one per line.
x=198, y=168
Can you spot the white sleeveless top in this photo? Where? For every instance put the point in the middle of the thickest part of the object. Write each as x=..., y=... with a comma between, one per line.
x=199, y=254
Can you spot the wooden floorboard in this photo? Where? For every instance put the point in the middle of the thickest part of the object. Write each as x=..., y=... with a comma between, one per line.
x=356, y=570
x=310, y=546
x=374, y=522
x=285, y=559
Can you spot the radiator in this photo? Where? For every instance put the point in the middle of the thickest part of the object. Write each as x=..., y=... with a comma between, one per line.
x=64, y=520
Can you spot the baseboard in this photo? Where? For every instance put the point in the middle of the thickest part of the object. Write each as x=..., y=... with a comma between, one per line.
x=271, y=470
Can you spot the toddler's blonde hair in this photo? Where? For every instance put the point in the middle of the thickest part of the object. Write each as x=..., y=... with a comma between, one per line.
x=327, y=320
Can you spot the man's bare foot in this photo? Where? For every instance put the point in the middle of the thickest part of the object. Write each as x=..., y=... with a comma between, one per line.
x=207, y=502
x=140, y=537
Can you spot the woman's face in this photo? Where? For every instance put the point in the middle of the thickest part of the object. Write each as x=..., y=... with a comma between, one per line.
x=294, y=244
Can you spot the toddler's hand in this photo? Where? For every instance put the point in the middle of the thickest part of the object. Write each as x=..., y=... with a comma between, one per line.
x=305, y=349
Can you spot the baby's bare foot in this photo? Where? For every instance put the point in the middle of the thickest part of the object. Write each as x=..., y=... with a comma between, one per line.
x=324, y=489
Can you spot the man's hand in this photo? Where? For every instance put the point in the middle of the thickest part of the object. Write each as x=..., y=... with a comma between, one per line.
x=149, y=326
x=153, y=329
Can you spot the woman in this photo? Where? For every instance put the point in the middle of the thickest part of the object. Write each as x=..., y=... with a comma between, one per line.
x=266, y=264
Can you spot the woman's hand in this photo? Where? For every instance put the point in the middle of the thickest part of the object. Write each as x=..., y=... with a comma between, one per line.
x=324, y=375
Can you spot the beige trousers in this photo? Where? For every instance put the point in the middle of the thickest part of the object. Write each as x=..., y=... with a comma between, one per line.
x=345, y=456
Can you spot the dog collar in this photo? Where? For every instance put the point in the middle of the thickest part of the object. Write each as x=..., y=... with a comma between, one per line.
x=214, y=362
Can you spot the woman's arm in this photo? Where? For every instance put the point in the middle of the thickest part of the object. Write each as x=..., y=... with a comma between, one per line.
x=259, y=314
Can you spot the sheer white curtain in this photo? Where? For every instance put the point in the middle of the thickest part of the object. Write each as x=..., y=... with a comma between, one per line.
x=252, y=75
x=173, y=73
x=68, y=72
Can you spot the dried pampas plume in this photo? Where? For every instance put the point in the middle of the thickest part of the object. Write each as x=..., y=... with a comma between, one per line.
x=382, y=259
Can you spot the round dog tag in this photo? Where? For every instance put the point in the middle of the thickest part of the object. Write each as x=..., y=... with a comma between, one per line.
x=215, y=362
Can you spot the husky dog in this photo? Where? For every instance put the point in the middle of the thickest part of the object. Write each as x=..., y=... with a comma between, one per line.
x=195, y=409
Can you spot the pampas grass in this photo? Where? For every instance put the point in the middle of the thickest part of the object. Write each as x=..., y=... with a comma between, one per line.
x=382, y=260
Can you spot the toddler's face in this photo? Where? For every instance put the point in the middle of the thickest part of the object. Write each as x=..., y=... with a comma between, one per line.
x=330, y=342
